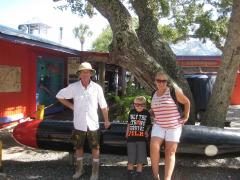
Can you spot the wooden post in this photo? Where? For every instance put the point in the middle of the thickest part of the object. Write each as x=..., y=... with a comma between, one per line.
x=102, y=75
x=1, y=168
x=2, y=175
x=122, y=81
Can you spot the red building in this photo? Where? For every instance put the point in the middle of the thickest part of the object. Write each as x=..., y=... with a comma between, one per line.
x=199, y=64
x=32, y=70
x=207, y=65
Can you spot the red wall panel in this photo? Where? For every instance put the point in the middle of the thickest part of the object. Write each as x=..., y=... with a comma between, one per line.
x=23, y=56
x=18, y=102
x=235, y=99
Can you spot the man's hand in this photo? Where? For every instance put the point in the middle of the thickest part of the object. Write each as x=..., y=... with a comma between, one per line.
x=107, y=124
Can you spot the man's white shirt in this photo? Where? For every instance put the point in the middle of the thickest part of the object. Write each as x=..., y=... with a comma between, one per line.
x=85, y=104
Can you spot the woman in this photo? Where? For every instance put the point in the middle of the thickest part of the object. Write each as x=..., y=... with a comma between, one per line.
x=167, y=124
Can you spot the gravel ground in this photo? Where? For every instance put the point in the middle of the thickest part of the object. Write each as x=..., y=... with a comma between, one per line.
x=23, y=163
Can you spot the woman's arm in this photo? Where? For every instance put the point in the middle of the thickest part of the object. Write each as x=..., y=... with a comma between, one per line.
x=181, y=98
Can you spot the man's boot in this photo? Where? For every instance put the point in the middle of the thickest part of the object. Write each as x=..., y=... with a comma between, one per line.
x=95, y=170
x=79, y=169
x=156, y=178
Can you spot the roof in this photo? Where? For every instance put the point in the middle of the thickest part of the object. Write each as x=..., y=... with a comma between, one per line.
x=195, y=47
x=16, y=36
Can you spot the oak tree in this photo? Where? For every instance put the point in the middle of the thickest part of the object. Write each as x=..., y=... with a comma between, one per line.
x=145, y=50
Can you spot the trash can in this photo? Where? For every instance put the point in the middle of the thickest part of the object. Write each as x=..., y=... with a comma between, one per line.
x=201, y=86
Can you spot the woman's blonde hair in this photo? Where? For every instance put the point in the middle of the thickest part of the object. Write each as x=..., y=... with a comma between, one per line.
x=162, y=73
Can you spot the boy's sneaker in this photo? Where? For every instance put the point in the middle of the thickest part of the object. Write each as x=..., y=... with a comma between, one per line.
x=139, y=176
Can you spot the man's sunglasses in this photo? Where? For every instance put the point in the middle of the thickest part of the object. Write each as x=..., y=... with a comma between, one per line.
x=160, y=81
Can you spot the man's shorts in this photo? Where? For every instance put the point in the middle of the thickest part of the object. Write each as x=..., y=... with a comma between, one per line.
x=137, y=152
x=93, y=138
x=172, y=135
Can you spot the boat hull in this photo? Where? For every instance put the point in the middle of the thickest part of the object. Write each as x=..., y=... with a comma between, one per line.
x=57, y=135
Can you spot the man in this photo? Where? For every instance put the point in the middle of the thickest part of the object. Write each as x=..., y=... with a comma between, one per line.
x=86, y=95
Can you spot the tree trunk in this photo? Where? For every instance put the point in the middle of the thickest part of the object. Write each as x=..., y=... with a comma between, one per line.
x=143, y=54
x=81, y=46
x=153, y=43
x=218, y=104
x=82, y=41
x=126, y=50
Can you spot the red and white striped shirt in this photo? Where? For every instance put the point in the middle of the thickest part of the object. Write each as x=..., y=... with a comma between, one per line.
x=165, y=111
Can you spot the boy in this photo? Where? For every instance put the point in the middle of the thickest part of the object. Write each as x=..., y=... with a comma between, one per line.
x=136, y=134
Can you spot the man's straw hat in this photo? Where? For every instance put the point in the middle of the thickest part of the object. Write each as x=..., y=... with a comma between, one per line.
x=86, y=66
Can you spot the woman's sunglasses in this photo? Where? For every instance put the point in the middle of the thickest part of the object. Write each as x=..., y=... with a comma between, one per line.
x=161, y=81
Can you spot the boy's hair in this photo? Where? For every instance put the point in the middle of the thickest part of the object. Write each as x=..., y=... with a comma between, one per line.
x=141, y=99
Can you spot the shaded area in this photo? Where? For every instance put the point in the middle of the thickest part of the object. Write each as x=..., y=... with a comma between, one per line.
x=59, y=169
x=23, y=163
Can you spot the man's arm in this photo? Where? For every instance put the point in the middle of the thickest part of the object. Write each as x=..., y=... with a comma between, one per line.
x=106, y=119
x=66, y=103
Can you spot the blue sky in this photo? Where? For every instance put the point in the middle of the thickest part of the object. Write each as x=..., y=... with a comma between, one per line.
x=15, y=12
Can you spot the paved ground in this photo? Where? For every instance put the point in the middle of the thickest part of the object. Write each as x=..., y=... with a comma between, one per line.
x=233, y=116
x=23, y=163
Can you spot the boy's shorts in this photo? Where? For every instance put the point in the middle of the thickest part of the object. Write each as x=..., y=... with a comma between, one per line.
x=137, y=152
x=172, y=135
x=92, y=136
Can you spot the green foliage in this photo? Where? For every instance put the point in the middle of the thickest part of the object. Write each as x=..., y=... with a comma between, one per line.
x=201, y=19
x=134, y=90
x=102, y=43
x=79, y=7
x=119, y=107
x=81, y=32
x=165, y=8
x=187, y=18
x=169, y=33
x=212, y=29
